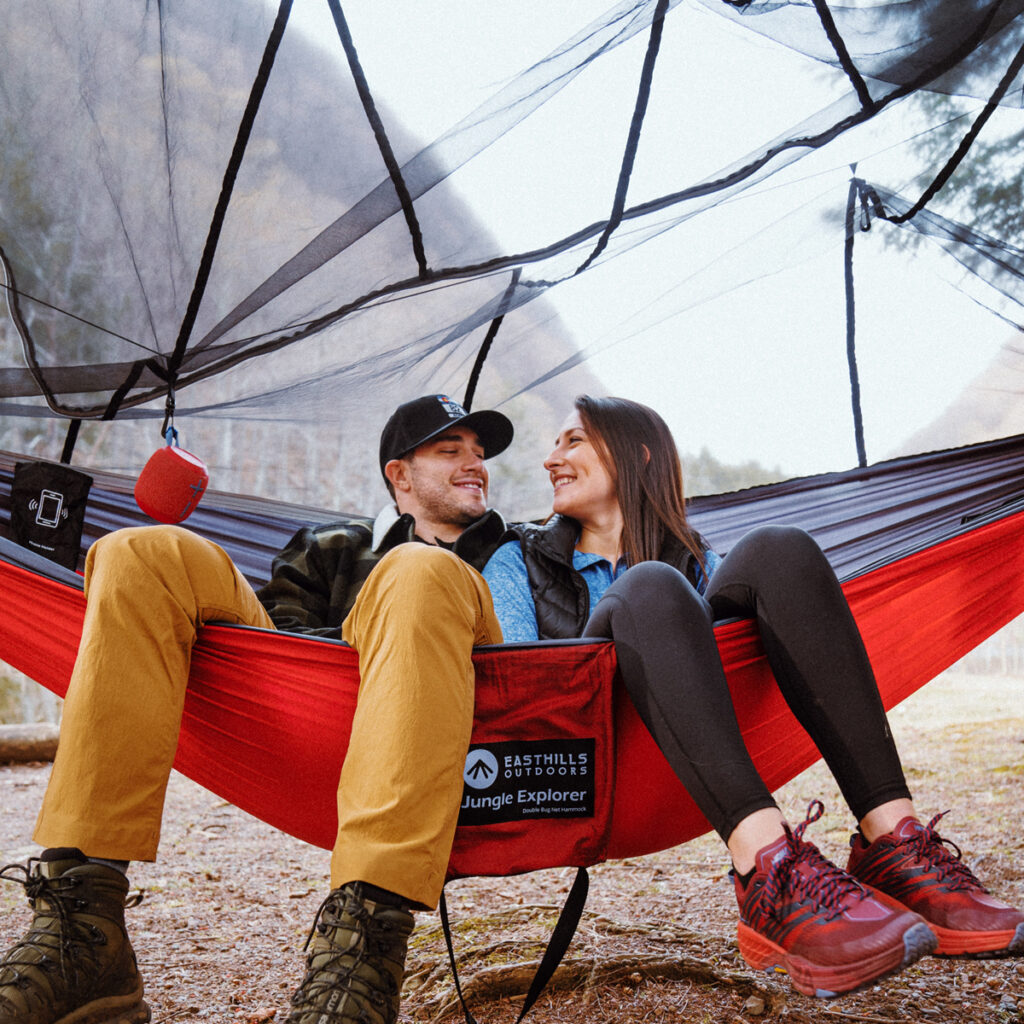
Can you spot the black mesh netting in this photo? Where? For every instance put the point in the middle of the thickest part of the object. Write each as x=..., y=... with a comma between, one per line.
x=200, y=195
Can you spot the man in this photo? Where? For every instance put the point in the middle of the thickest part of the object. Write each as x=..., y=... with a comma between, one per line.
x=413, y=619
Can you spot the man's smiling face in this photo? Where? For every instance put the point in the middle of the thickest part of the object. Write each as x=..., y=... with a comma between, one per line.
x=442, y=484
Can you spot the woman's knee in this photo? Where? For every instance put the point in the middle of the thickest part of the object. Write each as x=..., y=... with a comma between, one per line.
x=647, y=577
x=782, y=545
x=656, y=594
x=655, y=583
x=657, y=574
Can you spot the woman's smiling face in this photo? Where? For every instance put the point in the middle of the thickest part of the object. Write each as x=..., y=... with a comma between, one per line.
x=583, y=487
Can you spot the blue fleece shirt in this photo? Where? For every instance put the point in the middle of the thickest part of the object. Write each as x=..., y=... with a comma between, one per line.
x=509, y=583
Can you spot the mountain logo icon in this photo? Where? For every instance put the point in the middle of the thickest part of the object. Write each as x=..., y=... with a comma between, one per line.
x=481, y=768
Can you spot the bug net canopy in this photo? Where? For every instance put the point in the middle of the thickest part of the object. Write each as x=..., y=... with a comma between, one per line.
x=216, y=202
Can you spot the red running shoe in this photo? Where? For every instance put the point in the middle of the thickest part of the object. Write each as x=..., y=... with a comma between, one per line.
x=801, y=913
x=926, y=873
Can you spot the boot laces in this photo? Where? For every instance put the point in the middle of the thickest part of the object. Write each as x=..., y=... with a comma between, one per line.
x=329, y=969
x=821, y=882
x=945, y=857
x=73, y=938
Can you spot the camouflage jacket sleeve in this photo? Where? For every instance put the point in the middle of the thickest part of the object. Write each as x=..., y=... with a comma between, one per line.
x=317, y=575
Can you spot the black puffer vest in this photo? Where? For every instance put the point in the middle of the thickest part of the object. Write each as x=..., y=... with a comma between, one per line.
x=560, y=593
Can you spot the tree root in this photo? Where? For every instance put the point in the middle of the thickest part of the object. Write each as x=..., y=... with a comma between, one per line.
x=513, y=980
x=429, y=991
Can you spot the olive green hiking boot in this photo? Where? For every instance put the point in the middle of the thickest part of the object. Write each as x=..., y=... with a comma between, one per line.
x=356, y=961
x=75, y=965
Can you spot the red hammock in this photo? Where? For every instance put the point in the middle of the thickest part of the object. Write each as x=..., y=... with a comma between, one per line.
x=267, y=715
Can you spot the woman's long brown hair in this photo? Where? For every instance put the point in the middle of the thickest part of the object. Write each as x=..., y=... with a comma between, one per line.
x=638, y=450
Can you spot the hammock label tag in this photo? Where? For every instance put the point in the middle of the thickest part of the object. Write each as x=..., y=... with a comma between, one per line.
x=523, y=779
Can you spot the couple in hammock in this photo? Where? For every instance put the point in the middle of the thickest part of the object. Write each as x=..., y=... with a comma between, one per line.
x=617, y=559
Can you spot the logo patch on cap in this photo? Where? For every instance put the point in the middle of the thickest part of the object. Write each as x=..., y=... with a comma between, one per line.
x=450, y=406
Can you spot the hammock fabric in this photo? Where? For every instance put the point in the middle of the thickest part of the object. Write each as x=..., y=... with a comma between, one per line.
x=267, y=714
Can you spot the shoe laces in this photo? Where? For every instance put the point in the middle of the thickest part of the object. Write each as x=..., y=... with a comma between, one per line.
x=72, y=937
x=822, y=883
x=330, y=915
x=943, y=855
x=328, y=968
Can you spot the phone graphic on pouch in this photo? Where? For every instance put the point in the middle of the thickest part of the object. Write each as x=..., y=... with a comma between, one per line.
x=51, y=504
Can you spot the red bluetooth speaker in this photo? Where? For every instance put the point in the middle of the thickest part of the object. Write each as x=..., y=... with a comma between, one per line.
x=171, y=484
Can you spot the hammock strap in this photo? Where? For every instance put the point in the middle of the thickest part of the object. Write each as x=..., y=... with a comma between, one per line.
x=383, y=142
x=633, y=139
x=851, y=332
x=965, y=143
x=565, y=929
x=492, y=333
x=828, y=23
x=130, y=380
x=69, y=441
x=227, y=188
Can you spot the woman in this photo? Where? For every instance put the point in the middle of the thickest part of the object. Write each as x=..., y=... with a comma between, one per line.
x=618, y=559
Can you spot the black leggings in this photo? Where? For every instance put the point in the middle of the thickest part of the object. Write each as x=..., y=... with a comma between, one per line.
x=669, y=661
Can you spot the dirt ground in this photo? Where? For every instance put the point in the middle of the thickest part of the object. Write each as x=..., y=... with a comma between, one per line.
x=219, y=933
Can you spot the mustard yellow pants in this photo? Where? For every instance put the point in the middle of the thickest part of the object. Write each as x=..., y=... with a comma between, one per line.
x=414, y=626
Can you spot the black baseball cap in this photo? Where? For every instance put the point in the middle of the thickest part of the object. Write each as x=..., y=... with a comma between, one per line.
x=415, y=422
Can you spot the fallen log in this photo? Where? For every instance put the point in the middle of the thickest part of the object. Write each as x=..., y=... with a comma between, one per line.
x=33, y=742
